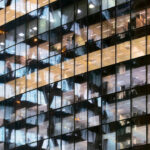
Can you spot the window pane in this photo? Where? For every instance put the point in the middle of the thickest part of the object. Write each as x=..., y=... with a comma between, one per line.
x=68, y=91
x=43, y=20
x=108, y=109
x=108, y=138
x=67, y=11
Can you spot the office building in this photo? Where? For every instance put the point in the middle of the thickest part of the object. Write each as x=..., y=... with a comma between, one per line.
x=74, y=74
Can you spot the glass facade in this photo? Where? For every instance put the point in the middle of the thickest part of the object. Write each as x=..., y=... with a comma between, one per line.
x=74, y=74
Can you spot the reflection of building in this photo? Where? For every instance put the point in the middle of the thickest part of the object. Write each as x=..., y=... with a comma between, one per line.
x=75, y=75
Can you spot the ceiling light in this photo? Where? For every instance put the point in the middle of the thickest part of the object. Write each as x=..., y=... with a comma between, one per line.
x=21, y=34
x=1, y=43
x=34, y=28
x=52, y=20
x=91, y=6
x=18, y=102
x=79, y=11
x=35, y=39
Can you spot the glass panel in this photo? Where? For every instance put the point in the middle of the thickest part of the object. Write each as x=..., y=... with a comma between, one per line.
x=2, y=110
x=20, y=8
x=148, y=133
x=20, y=134
x=123, y=105
x=20, y=81
x=55, y=123
x=68, y=37
x=123, y=51
x=43, y=126
x=10, y=11
x=94, y=112
x=55, y=44
x=138, y=135
x=123, y=77
x=138, y=19
x=67, y=11
x=80, y=33
x=67, y=119
x=10, y=137
x=55, y=95
x=108, y=81
x=108, y=23
x=108, y=138
x=80, y=60
x=68, y=91
x=67, y=142
x=148, y=74
x=81, y=115
x=10, y=37
x=43, y=19
x=68, y=64
x=94, y=138
x=80, y=87
x=42, y=3
x=93, y=6
x=108, y=109
x=94, y=84
x=148, y=16
x=31, y=24
x=138, y=74
x=122, y=1
x=94, y=28
x=2, y=13
x=108, y=56
x=123, y=17
x=138, y=47
x=123, y=135
x=20, y=109
x=20, y=55
x=31, y=5
x=148, y=104
x=55, y=69
x=81, y=9
x=31, y=100
x=10, y=113
x=43, y=73
x=43, y=99
x=138, y=106
x=2, y=88
x=81, y=140
x=55, y=15
x=94, y=60
x=55, y=143
x=31, y=129
x=2, y=38
x=43, y=46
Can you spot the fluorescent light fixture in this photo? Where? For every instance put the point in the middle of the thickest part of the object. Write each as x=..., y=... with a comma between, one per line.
x=34, y=28
x=2, y=43
x=52, y=20
x=79, y=11
x=91, y=6
x=21, y=34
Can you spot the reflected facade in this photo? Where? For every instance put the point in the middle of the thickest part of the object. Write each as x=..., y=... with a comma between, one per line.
x=74, y=74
